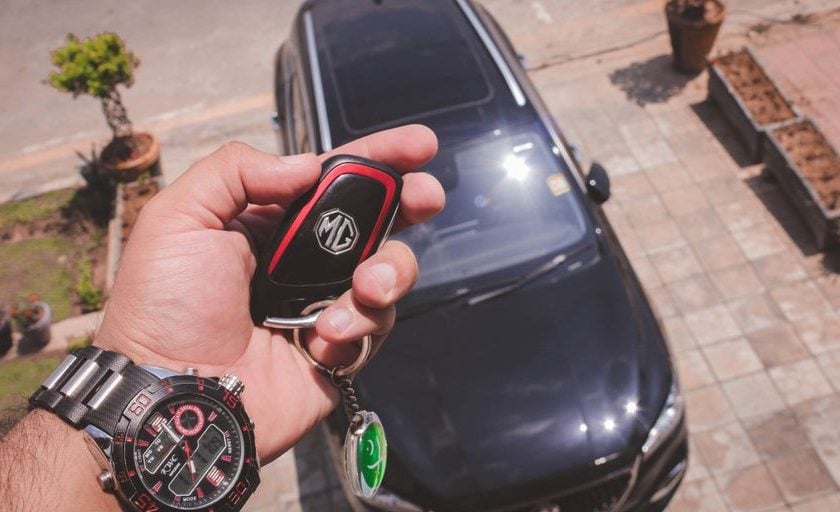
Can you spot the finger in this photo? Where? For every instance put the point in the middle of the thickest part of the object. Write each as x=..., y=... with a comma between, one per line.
x=219, y=187
x=422, y=198
x=405, y=148
x=347, y=320
x=385, y=277
x=261, y=221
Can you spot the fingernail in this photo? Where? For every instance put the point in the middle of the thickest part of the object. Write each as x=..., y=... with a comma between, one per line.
x=386, y=275
x=340, y=319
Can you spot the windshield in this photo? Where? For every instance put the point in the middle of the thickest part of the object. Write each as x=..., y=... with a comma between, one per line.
x=508, y=201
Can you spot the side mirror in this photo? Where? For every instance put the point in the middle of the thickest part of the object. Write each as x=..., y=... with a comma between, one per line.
x=598, y=183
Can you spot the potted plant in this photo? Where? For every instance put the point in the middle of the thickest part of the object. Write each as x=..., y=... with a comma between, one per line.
x=33, y=320
x=693, y=26
x=96, y=66
x=5, y=332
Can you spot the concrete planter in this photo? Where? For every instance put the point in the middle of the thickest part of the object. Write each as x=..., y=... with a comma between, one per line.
x=115, y=230
x=750, y=131
x=823, y=222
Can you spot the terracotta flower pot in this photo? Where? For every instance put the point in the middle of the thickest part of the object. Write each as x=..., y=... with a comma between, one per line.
x=693, y=33
x=36, y=336
x=124, y=170
x=5, y=332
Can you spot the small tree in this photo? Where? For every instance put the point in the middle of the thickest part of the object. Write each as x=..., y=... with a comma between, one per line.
x=96, y=66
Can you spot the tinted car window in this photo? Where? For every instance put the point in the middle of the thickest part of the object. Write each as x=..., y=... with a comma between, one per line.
x=368, y=50
x=508, y=202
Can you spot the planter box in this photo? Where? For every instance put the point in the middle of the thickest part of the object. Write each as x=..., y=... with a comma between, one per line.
x=748, y=128
x=823, y=222
x=116, y=226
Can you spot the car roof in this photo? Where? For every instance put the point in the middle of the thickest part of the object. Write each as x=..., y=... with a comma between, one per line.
x=388, y=62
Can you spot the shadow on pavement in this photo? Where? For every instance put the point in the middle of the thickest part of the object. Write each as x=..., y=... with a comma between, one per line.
x=712, y=117
x=318, y=484
x=651, y=81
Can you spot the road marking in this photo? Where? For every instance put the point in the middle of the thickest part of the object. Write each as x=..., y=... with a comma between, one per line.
x=159, y=125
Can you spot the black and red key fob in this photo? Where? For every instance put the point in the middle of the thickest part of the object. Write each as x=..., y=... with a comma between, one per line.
x=324, y=236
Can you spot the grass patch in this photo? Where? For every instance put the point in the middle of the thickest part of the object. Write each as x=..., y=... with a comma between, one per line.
x=20, y=377
x=35, y=208
x=44, y=266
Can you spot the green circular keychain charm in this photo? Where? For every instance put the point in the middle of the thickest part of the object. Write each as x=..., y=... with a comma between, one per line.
x=365, y=454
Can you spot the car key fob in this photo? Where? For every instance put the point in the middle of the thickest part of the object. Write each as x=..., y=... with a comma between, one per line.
x=324, y=236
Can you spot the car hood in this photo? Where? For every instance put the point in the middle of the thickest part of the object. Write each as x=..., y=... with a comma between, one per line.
x=541, y=382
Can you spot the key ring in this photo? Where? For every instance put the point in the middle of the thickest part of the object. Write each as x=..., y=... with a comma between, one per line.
x=310, y=316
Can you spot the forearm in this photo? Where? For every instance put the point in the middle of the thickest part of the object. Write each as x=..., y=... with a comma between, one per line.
x=46, y=465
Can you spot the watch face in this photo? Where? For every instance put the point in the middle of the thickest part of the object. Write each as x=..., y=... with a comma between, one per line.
x=191, y=449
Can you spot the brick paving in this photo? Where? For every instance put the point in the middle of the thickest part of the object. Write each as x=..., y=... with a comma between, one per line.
x=750, y=307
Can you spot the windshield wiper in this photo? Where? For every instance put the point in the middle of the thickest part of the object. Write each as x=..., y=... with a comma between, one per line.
x=535, y=274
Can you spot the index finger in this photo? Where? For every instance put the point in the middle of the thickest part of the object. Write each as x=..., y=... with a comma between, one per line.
x=404, y=148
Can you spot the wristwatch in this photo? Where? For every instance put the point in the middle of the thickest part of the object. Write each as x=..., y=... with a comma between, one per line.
x=165, y=441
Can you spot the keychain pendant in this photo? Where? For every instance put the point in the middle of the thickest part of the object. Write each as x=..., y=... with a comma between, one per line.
x=365, y=454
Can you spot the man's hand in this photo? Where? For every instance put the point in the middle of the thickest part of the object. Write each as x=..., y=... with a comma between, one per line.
x=182, y=291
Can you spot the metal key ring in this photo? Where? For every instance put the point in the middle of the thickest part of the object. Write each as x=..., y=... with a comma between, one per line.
x=340, y=370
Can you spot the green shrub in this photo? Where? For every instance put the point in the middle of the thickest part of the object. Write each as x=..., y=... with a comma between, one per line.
x=80, y=342
x=90, y=297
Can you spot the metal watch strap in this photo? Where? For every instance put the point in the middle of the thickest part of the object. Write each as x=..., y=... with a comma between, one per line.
x=92, y=387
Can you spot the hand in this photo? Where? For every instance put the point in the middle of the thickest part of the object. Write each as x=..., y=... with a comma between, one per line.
x=181, y=295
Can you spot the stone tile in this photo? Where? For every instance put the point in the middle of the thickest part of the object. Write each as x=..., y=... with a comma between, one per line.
x=683, y=201
x=726, y=448
x=675, y=264
x=754, y=312
x=678, y=335
x=777, y=345
x=800, y=381
x=718, y=252
x=620, y=164
x=776, y=434
x=660, y=236
x=801, y=475
x=645, y=271
x=696, y=467
x=830, y=364
x=639, y=130
x=820, y=333
x=631, y=186
x=737, y=281
x=700, y=225
x=799, y=300
x=660, y=299
x=821, y=504
x=742, y=214
x=781, y=268
x=829, y=285
x=706, y=408
x=820, y=418
x=753, y=395
x=725, y=190
x=668, y=177
x=642, y=211
x=653, y=153
x=750, y=488
x=698, y=496
x=693, y=371
x=759, y=241
x=711, y=325
x=694, y=293
x=729, y=359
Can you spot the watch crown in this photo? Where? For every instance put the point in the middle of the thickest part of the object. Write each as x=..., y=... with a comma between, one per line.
x=232, y=383
x=190, y=371
x=106, y=480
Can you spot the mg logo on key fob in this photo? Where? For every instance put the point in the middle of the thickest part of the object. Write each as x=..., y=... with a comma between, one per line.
x=336, y=231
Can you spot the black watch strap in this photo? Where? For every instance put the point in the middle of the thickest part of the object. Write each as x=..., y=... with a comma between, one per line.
x=92, y=387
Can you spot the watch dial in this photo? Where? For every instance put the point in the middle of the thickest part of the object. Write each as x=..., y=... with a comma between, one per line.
x=188, y=452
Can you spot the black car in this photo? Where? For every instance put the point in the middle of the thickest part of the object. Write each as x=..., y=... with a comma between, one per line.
x=526, y=370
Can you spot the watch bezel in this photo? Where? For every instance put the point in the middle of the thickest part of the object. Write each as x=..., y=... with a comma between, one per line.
x=135, y=414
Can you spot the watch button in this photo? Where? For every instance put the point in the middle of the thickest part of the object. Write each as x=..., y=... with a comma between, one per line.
x=232, y=383
x=191, y=371
x=106, y=481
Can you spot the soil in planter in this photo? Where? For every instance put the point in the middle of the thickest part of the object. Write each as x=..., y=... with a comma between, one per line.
x=815, y=157
x=126, y=148
x=135, y=197
x=759, y=94
x=694, y=11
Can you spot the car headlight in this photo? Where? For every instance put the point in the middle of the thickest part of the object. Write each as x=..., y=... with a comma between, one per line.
x=670, y=416
x=390, y=502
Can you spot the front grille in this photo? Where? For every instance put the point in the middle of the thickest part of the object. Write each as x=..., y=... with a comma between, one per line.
x=604, y=496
